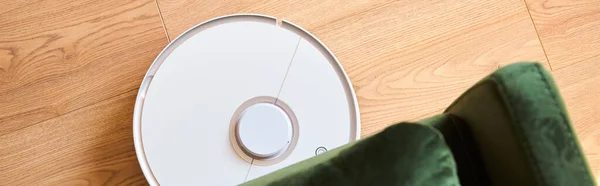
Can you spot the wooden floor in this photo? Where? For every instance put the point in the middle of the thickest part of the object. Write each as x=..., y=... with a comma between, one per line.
x=70, y=69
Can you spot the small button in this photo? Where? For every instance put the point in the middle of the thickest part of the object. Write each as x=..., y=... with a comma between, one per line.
x=320, y=150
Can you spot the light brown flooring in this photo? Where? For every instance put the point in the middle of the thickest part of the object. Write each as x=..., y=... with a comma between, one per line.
x=70, y=69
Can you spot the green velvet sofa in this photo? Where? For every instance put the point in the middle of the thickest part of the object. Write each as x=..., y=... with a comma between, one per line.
x=511, y=128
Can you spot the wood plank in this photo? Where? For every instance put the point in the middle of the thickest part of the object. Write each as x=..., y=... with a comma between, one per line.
x=580, y=87
x=568, y=29
x=69, y=72
x=91, y=145
x=406, y=59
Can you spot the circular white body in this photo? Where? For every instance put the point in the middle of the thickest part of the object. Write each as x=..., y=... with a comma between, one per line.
x=196, y=121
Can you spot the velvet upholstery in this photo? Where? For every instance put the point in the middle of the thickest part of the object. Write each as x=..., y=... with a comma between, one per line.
x=403, y=154
x=521, y=129
x=511, y=128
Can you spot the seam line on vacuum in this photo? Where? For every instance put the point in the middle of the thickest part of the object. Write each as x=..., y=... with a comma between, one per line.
x=249, y=168
x=288, y=69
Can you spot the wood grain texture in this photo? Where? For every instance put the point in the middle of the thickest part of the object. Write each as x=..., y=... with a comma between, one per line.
x=69, y=74
x=569, y=30
x=69, y=70
x=406, y=59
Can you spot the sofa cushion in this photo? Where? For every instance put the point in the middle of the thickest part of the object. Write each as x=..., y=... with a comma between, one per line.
x=521, y=129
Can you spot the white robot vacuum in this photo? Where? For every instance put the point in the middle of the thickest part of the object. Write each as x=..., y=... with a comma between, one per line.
x=238, y=97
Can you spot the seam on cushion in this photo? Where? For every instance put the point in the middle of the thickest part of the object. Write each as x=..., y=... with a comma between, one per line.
x=460, y=134
x=564, y=123
x=525, y=143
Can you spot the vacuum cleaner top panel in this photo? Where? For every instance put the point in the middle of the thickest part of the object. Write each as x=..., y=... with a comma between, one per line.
x=238, y=97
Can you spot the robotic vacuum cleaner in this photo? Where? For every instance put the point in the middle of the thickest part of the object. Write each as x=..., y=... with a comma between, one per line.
x=237, y=97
